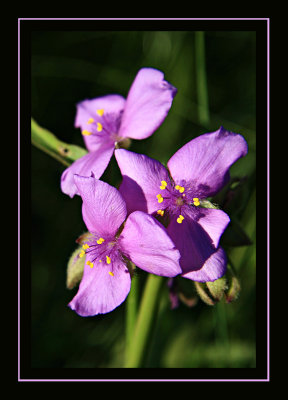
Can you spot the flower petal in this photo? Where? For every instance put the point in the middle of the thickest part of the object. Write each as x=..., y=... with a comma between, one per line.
x=204, y=162
x=104, y=209
x=94, y=162
x=112, y=107
x=142, y=178
x=145, y=242
x=148, y=102
x=213, y=221
x=100, y=291
x=213, y=268
x=193, y=243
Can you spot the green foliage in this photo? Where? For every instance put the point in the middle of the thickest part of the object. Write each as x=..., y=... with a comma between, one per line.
x=67, y=67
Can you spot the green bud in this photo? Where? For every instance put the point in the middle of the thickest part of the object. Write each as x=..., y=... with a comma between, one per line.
x=203, y=293
x=233, y=288
x=75, y=269
x=207, y=204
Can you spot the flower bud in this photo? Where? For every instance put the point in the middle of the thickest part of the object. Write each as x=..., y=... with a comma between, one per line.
x=233, y=287
x=211, y=292
x=75, y=269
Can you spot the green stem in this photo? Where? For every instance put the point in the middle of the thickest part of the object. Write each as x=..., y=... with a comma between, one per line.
x=201, y=80
x=50, y=144
x=147, y=311
x=131, y=312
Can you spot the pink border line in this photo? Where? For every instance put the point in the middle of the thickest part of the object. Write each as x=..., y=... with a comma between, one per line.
x=268, y=202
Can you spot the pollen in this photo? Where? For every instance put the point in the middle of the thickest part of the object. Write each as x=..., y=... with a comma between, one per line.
x=100, y=241
x=163, y=185
x=108, y=260
x=82, y=253
x=86, y=133
x=110, y=273
x=100, y=112
x=160, y=212
x=90, y=121
x=160, y=198
x=90, y=263
x=196, y=201
x=85, y=246
x=180, y=188
x=99, y=127
x=180, y=219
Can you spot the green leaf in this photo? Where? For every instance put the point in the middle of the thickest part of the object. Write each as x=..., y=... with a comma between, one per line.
x=46, y=141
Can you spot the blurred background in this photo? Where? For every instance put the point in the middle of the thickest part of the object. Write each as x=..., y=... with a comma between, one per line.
x=215, y=75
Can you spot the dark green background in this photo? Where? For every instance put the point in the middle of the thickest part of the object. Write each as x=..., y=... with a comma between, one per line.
x=70, y=66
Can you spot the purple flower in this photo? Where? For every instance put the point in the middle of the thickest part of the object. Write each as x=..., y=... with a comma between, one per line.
x=112, y=241
x=197, y=171
x=106, y=121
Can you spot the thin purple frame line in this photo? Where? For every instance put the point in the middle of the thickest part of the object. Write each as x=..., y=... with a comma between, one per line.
x=268, y=201
x=143, y=19
x=268, y=214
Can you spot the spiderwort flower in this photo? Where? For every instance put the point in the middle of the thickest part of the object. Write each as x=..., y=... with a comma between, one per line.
x=112, y=241
x=196, y=171
x=108, y=120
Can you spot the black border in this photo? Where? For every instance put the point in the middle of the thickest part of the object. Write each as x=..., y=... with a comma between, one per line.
x=28, y=373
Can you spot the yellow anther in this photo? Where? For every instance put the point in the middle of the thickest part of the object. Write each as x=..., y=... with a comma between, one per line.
x=177, y=187
x=100, y=112
x=108, y=260
x=196, y=201
x=85, y=246
x=160, y=212
x=99, y=127
x=90, y=121
x=180, y=219
x=181, y=190
x=163, y=185
x=90, y=263
x=100, y=241
x=100, y=260
x=110, y=273
x=82, y=253
x=160, y=198
x=86, y=133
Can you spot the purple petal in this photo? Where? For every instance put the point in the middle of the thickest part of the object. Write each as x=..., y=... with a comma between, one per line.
x=204, y=162
x=193, y=242
x=112, y=106
x=100, y=291
x=213, y=268
x=94, y=162
x=148, y=102
x=213, y=221
x=142, y=178
x=145, y=242
x=104, y=209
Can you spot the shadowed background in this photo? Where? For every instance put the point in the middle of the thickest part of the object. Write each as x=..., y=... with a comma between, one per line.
x=68, y=67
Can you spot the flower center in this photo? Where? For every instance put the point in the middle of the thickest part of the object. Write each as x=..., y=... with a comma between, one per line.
x=100, y=250
x=172, y=199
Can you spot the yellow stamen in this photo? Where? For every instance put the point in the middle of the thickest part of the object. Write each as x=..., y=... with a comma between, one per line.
x=82, y=254
x=86, y=133
x=90, y=263
x=160, y=198
x=100, y=241
x=181, y=190
x=90, y=121
x=99, y=127
x=160, y=212
x=100, y=112
x=108, y=260
x=100, y=260
x=180, y=219
x=163, y=185
x=196, y=201
x=85, y=246
x=110, y=273
x=177, y=187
